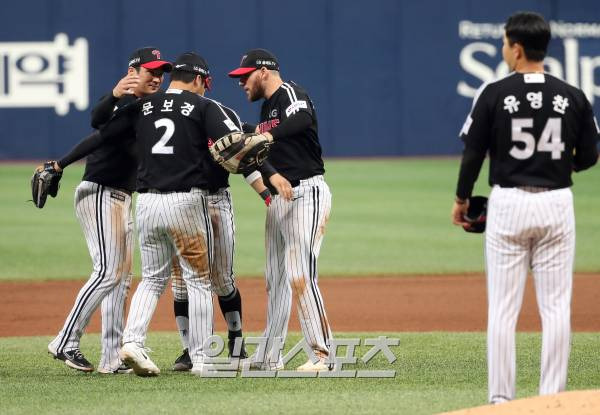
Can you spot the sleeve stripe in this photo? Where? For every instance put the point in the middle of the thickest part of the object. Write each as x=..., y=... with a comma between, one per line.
x=221, y=106
x=293, y=91
x=290, y=92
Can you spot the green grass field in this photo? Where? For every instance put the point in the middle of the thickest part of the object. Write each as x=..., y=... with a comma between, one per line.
x=434, y=372
x=389, y=217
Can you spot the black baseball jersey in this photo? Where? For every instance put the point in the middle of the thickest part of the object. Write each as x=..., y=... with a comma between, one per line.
x=114, y=164
x=296, y=156
x=536, y=128
x=216, y=175
x=172, y=132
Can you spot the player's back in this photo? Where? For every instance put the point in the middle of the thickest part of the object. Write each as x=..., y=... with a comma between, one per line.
x=171, y=141
x=217, y=176
x=536, y=121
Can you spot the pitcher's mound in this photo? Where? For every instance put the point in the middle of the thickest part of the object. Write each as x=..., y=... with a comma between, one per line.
x=566, y=403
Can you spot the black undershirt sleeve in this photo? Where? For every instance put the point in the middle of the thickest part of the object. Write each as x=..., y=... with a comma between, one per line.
x=109, y=132
x=267, y=169
x=585, y=158
x=81, y=149
x=470, y=167
x=103, y=110
x=586, y=149
x=293, y=125
x=248, y=128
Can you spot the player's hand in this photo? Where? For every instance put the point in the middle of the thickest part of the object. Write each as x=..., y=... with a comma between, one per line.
x=126, y=85
x=459, y=210
x=283, y=187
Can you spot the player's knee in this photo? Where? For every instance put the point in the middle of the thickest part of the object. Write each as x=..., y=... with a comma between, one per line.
x=223, y=289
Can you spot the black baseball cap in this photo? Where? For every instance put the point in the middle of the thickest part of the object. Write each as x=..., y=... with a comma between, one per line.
x=192, y=62
x=149, y=58
x=253, y=60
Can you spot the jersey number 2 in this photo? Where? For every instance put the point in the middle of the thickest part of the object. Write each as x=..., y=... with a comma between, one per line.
x=161, y=146
x=550, y=140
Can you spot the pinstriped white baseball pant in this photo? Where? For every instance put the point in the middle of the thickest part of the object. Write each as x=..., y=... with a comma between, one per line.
x=529, y=228
x=173, y=223
x=220, y=210
x=104, y=214
x=294, y=233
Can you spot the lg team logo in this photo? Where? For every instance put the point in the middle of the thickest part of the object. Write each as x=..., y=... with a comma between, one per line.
x=44, y=74
x=573, y=55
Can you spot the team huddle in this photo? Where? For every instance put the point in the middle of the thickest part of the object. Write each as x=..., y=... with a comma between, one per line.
x=159, y=144
x=167, y=146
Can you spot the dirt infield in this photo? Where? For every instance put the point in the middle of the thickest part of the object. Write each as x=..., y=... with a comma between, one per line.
x=424, y=303
x=566, y=403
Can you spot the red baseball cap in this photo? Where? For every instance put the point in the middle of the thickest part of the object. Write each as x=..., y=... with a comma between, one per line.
x=253, y=60
x=149, y=58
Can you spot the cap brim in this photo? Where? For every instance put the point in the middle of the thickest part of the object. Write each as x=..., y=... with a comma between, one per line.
x=241, y=72
x=167, y=66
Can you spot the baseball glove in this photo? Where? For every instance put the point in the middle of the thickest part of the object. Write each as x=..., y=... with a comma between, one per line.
x=476, y=214
x=237, y=152
x=45, y=181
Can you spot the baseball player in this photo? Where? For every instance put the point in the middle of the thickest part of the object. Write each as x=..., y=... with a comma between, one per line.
x=537, y=129
x=296, y=219
x=172, y=131
x=220, y=210
x=103, y=207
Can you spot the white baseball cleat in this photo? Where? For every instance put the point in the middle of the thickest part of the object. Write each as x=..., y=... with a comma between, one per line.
x=265, y=366
x=122, y=369
x=137, y=358
x=318, y=366
x=253, y=364
x=201, y=368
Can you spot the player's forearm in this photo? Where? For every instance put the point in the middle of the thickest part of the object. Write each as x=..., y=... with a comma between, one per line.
x=256, y=182
x=266, y=169
x=81, y=149
x=103, y=110
x=469, y=171
x=293, y=125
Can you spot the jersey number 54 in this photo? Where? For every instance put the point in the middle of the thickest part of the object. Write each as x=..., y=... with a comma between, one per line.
x=550, y=140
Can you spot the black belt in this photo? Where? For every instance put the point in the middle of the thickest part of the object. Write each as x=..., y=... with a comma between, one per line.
x=213, y=190
x=210, y=191
x=164, y=191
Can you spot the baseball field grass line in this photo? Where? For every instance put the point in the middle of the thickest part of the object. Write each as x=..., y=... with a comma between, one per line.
x=435, y=372
x=389, y=217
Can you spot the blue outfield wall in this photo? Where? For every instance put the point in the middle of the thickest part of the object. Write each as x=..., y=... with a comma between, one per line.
x=388, y=78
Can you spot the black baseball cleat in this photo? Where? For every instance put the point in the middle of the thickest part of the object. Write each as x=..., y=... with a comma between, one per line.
x=73, y=358
x=242, y=354
x=183, y=363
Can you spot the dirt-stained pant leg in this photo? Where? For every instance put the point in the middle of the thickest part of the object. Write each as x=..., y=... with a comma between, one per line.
x=173, y=223
x=156, y=251
x=104, y=214
x=279, y=291
x=295, y=232
x=220, y=209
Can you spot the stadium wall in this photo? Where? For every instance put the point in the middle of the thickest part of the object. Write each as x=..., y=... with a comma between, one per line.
x=388, y=77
